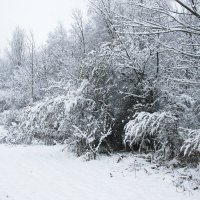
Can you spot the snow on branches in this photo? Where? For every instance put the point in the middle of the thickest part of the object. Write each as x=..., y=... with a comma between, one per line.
x=47, y=120
x=73, y=119
x=152, y=131
x=191, y=145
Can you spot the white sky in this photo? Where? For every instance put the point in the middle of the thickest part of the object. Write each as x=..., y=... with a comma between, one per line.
x=40, y=16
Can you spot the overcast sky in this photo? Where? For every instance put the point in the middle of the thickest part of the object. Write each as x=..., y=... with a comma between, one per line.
x=40, y=16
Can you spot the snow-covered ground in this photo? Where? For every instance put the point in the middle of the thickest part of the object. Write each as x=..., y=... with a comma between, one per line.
x=47, y=173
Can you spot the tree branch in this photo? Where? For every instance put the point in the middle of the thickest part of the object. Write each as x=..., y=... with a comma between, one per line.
x=188, y=8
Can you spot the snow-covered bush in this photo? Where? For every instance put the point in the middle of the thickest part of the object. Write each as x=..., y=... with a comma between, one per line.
x=183, y=106
x=89, y=124
x=3, y=117
x=5, y=100
x=47, y=120
x=196, y=114
x=153, y=131
x=89, y=142
x=191, y=146
x=74, y=119
x=9, y=117
x=116, y=87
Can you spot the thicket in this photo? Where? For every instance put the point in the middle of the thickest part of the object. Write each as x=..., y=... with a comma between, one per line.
x=128, y=79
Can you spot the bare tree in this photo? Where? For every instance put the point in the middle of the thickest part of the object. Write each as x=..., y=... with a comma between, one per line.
x=17, y=49
x=79, y=29
x=32, y=61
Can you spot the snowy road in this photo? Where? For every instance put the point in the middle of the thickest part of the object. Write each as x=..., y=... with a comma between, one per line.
x=47, y=173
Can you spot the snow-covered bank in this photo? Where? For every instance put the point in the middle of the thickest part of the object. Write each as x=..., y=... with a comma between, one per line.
x=47, y=173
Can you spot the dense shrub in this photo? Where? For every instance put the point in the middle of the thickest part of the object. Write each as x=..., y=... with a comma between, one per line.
x=47, y=120
x=153, y=131
x=190, y=150
x=73, y=118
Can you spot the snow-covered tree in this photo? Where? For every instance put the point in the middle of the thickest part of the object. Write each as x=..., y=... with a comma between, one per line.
x=17, y=48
